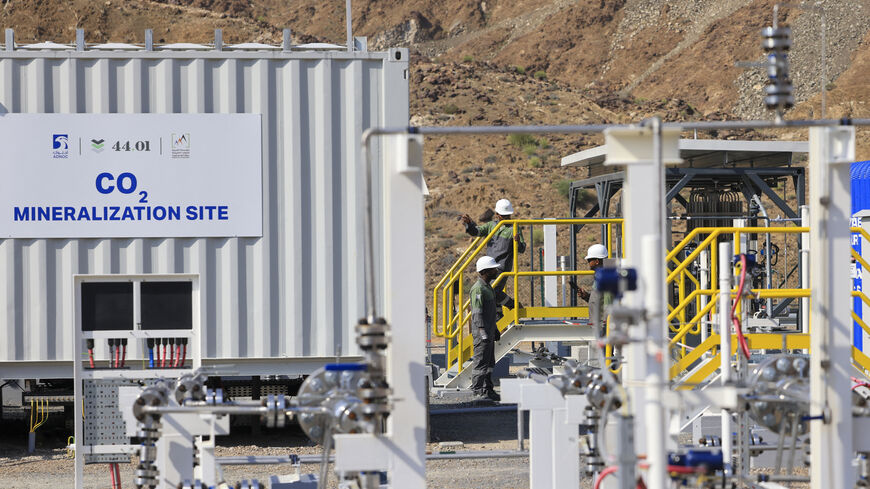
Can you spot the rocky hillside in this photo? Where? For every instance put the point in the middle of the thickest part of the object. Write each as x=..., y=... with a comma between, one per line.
x=522, y=62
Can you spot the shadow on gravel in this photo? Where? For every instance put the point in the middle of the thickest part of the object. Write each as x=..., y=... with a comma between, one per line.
x=482, y=427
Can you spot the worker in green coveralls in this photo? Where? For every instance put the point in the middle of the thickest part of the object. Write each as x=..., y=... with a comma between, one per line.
x=484, y=329
x=500, y=247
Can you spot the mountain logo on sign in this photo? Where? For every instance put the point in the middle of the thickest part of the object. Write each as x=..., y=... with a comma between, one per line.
x=181, y=141
x=181, y=145
x=60, y=145
x=98, y=145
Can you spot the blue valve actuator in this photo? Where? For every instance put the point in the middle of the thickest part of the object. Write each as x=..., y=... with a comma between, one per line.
x=615, y=280
x=341, y=367
x=697, y=458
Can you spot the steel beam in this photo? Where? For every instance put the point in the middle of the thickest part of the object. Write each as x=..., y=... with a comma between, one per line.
x=831, y=151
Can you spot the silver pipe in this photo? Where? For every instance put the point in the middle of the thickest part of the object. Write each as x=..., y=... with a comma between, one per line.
x=253, y=410
x=794, y=437
x=348, y=19
x=769, y=280
x=316, y=458
x=521, y=429
x=786, y=478
x=477, y=454
x=805, y=270
x=227, y=409
x=596, y=128
x=725, y=272
x=754, y=448
x=371, y=293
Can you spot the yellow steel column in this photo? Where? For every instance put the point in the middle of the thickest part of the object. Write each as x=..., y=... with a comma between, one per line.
x=516, y=278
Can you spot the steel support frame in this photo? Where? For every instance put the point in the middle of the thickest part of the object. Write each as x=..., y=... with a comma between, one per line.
x=401, y=451
x=831, y=151
x=554, y=448
x=750, y=181
x=644, y=207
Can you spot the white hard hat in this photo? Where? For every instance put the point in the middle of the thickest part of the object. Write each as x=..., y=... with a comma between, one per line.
x=504, y=208
x=486, y=262
x=596, y=251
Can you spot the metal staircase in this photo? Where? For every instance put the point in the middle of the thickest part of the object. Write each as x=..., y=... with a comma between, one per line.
x=512, y=334
x=451, y=314
x=695, y=302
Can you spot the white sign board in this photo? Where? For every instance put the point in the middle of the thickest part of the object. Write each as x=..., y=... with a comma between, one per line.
x=130, y=175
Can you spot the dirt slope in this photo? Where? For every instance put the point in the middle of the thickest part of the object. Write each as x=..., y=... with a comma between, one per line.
x=521, y=62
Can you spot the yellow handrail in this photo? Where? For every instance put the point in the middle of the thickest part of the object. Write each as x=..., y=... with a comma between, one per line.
x=448, y=275
x=450, y=310
x=760, y=293
x=681, y=270
x=478, y=245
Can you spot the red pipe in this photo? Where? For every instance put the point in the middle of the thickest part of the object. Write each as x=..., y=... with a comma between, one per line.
x=744, y=347
x=117, y=356
x=183, y=354
x=112, y=472
x=604, y=473
x=123, y=354
x=118, y=474
x=91, y=357
x=163, y=356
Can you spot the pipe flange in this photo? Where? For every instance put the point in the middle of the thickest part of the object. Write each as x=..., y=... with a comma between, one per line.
x=375, y=408
x=155, y=395
x=269, y=415
x=371, y=393
x=372, y=341
x=335, y=392
x=280, y=411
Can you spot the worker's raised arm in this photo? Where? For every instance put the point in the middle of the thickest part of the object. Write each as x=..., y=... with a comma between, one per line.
x=475, y=230
x=521, y=243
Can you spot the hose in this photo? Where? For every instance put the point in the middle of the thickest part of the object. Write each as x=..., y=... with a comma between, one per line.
x=118, y=474
x=604, y=473
x=41, y=414
x=610, y=470
x=112, y=473
x=744, y=347
x=123, y=353
x=151, y=358
x=91, y=357
x=324, y=461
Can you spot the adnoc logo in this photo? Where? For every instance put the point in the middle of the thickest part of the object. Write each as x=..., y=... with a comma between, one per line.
x=60, y=145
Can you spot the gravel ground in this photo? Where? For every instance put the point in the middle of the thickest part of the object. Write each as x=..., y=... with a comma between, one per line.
x=50, y=466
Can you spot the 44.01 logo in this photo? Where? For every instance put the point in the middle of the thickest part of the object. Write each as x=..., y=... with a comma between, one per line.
x=132, y=146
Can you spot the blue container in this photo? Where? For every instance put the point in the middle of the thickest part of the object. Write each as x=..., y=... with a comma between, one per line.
x=860, y=173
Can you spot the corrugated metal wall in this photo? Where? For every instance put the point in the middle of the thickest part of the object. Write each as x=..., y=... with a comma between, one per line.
x=295, y=292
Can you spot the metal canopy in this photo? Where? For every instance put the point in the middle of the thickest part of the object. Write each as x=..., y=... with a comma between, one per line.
x=706, y=153
x=750, y=167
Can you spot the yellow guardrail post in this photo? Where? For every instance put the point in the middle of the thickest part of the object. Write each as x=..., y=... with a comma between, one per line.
x=515, y=269
x=449, y=308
